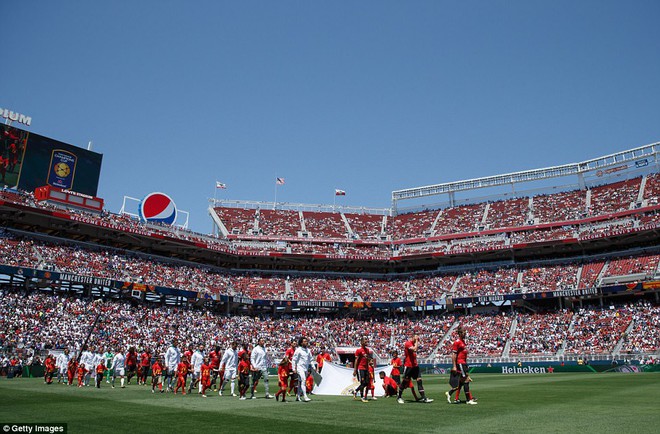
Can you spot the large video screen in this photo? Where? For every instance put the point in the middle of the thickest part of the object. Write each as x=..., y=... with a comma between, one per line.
x=29, y=161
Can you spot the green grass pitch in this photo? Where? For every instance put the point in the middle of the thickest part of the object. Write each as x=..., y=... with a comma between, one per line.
x=562, y=403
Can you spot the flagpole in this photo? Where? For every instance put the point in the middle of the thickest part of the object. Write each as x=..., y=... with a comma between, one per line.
x=215, y=191
x=334, y=201
x=276, y=185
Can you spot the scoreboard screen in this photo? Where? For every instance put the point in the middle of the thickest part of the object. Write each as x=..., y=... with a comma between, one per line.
x=29, y=161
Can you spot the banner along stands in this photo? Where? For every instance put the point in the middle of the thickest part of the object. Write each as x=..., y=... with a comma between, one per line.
x=338, y=380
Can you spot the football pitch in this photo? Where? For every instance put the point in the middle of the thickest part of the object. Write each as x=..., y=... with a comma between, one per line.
x=560, y=402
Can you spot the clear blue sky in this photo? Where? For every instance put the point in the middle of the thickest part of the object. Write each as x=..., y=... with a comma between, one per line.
x=366, y=96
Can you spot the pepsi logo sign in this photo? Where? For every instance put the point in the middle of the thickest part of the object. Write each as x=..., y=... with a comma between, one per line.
x=158, y=208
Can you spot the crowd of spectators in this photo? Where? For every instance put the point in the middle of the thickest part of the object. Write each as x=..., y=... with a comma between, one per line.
x=126, y=266
x=597, y=330
x=550, y=278
x=324, y=224
x=236, y=220
x=460, y=219
x=558, y=207
x=365, y=226
x=330, y=226
x=413, y=225
x=652, y=189
x=645, y=334
x=508, y=213
x=615, y=197
x=40, y=321
x=540, y=333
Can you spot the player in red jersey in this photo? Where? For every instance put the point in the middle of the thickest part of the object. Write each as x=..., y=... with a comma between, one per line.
x=243, y=375
x=50, y=369
x=411, y=371
x=205, y=376
x=389, y=385
x=372, y=379
x=131, y=363
x=81, y=374
x=321, y=358
x=100, y=370
x=214, y=364
x=361, y=369
x=396, y=364
x=293, y=377
x=181, y=374
x=143, y=368
x=459, y=370
x=157, y=376
x=283, y=370
x=71, y=369
x=309, y=382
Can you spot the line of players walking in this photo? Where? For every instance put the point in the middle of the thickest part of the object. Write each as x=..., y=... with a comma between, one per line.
x=171, y=372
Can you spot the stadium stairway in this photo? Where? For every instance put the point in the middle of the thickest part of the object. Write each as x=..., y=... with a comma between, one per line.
x=347, y=225
x=571, y=327
x=512, y=332
x=42, y=261
x=642, y=187
x=447, y=336
x=620, y=342
x=218, y=222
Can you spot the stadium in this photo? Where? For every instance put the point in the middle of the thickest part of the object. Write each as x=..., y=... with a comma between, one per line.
x=558, y=278
x=374, y=217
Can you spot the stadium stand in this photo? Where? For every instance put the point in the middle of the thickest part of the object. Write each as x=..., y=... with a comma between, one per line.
x=542, y=333
x=508, y=213
x=614, y=197
x=557, y=207
x=324, y=224
x=365, y=226
x=461, y=219
x=279, y=223
x=236, y=220
x=413, y=225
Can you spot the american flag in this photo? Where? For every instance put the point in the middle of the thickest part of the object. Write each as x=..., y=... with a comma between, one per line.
x=279, y=181
x=339, y=192
x=221, y=185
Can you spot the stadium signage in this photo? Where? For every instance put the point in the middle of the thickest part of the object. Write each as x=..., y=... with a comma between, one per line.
x=490, y=298
x=86, y=279
x=525, y=370
x=75, y=193
x=574, y=292
x=15, y=117
x=313, y=303
x=242, y=300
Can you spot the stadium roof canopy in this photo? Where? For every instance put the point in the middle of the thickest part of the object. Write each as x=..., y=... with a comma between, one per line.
x=624, y=160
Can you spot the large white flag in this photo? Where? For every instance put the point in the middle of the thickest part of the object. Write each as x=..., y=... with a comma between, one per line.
x=338, y=380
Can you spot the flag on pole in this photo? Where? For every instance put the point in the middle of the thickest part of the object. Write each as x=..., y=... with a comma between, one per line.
x=279, y=181
x=339, y=192
x=221, y=185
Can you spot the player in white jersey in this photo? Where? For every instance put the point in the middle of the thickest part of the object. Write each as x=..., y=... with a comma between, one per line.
x=119, y=367
x=87, y=358
x=230, y=363
x=302, y=362
x=260, y=361
x=172, y=359
x=196, y=362
x=61, y=364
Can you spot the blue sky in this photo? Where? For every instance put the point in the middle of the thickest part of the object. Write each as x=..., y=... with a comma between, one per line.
x=367, y=96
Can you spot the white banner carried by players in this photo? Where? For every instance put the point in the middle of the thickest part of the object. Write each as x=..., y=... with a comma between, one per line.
x=338, y=380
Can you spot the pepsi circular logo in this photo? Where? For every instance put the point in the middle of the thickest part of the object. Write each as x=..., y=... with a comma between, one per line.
x=158, y=208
